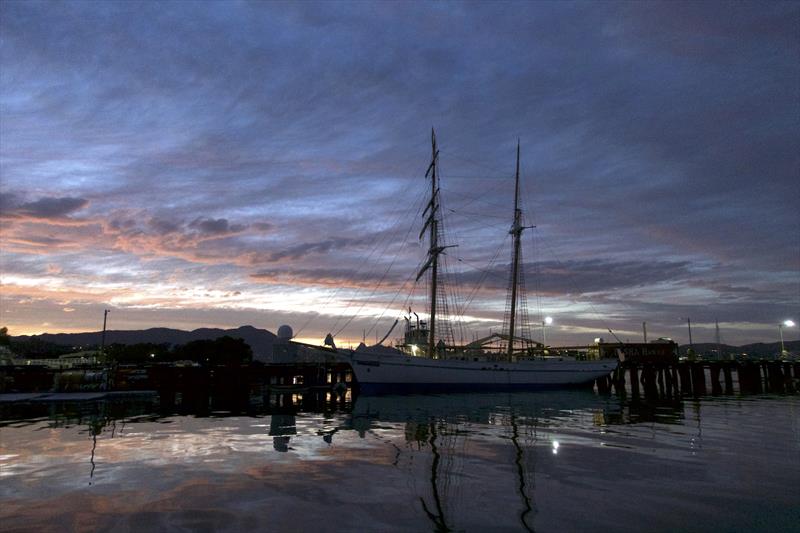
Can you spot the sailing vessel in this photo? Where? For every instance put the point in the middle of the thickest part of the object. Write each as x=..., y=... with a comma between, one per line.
x=422, y=362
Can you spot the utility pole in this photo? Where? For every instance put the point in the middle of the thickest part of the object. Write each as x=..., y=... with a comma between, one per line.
x=103, y=337
x=644, y=331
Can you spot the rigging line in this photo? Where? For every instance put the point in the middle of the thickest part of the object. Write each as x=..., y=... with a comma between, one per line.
x=332, y=296
x=451, y=291
x=396, y=294
x=479, y=197
x=453, y=155
x=374, y=289
x=575, y=301
x=537, y=275
x=396, y=226
x=335, y=293
x=485, y=273
x=481, y=177
x=405, y=239
x=492, y=225
x=467, y=213
x=386, y=272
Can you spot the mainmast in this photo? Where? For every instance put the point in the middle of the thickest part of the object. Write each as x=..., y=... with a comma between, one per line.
x=434, y=250
x=516, y=231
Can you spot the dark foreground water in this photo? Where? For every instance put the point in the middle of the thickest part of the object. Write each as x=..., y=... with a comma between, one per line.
x=553, y=461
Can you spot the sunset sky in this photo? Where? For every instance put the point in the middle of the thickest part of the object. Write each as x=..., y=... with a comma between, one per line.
x=216, y=164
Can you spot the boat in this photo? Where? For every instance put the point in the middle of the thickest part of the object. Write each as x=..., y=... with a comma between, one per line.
x=423, y=362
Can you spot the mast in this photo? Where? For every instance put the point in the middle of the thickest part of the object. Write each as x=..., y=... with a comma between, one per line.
x=516, y=231
x=435, y=255
x=432, y=224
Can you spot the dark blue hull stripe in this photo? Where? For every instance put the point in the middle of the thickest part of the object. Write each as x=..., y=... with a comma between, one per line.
x=407, y=388
x=515, y=370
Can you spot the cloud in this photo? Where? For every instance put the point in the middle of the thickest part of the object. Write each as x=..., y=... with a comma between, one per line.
x=263, y=226
x=159, y=225
x=266, y=141
x=219, y=226
x=579, y=277
x=353, y=278
x=47, y=208
x=299, y=251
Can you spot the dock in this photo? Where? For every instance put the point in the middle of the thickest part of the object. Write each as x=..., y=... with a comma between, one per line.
x=699, y=378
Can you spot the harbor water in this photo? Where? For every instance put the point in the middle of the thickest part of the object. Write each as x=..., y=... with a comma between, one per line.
x=543, y=461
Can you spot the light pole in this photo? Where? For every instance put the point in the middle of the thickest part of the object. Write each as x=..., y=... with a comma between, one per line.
x=546, y=322
x=788, y=324
x=690, y=351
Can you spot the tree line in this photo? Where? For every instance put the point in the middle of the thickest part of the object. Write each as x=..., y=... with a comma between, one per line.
x=226, y=351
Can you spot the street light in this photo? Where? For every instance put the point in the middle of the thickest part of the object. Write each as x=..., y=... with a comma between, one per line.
x=546, y=322
x=788, y=324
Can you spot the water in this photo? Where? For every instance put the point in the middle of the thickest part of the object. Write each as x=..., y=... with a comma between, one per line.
x=554, y=461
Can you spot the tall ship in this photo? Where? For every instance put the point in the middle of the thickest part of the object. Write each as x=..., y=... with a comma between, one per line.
x=423, y=360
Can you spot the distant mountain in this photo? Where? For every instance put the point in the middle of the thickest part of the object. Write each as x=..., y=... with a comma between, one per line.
x=260, y=340
x=758, y=349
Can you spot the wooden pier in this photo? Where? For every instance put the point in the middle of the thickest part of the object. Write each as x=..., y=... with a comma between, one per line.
x=171, y=378
x=699, y=378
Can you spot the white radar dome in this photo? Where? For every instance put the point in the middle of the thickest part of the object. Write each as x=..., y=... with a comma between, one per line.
x=285, y=333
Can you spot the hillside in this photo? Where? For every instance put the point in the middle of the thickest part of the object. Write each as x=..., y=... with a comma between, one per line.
x=758, y=349
x=260, y=340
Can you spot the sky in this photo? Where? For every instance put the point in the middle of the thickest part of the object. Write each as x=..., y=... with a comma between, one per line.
x=216, y=164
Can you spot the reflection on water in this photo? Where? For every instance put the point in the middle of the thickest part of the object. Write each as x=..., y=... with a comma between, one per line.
x=562, y=460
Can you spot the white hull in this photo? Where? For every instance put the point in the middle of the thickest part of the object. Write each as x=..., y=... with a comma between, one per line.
x=391, y=371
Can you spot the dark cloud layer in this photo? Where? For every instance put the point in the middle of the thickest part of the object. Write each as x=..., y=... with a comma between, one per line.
x=578, y=277
x=43, y=208
x=659, y=142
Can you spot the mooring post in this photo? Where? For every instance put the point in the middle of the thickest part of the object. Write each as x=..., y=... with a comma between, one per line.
x=619, y=380
x=744, y=379
x=649, y=379
x=765, y=372
x=787, y=377
x=726, y=369
x=601, y=384
x=686, y=380
x=758, y=386
x=698, y=378
x=668, y=381
x=634, y=381
x=776, y=376
x=716, y=388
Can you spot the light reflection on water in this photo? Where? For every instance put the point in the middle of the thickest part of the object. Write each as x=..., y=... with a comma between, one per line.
x=555, y=461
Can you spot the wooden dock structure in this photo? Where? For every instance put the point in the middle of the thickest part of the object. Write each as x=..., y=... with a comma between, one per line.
x=699, y=378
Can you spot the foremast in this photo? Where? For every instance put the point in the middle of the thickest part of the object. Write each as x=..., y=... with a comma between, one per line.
x=516, y=233
x=432, y=225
